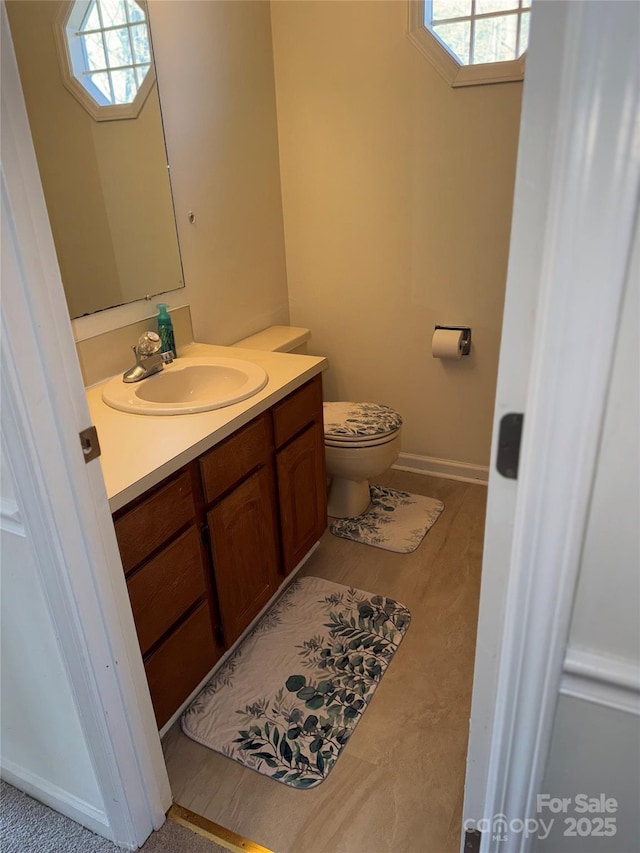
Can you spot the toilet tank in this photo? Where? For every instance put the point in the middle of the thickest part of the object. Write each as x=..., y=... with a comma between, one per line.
x=278, y=339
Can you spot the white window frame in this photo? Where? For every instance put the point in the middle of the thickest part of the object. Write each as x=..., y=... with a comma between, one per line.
x=98, y=111
x=443, y=61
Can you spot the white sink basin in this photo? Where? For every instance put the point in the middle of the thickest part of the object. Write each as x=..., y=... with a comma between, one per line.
x=186, y=386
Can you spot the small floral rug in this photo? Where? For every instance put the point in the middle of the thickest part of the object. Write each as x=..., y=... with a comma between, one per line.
x=395, y=521
x=288, y=699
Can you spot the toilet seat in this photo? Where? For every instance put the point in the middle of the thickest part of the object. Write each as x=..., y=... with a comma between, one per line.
x=359, y=424
x=351, y=444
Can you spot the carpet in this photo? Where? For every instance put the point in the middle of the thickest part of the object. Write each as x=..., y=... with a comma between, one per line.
x=287, y=701
x=27, y=826
x=396, y=521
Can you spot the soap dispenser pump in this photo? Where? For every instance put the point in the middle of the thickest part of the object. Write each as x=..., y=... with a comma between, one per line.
x=165, y=329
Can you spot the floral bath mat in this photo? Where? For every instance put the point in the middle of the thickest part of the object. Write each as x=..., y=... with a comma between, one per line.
x=287, y=701
x=395, y=521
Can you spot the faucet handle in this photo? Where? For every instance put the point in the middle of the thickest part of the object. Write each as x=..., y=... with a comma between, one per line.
x=148, y=343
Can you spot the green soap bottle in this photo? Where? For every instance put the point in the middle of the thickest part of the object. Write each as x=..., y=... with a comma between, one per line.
x=165, y=329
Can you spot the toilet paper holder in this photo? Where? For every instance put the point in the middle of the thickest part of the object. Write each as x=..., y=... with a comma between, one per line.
x=465, y=348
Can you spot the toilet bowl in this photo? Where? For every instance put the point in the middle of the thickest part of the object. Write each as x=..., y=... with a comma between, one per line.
x=361, y=441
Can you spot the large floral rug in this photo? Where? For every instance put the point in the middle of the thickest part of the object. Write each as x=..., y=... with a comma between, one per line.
x=287, y=701
x=395, y=521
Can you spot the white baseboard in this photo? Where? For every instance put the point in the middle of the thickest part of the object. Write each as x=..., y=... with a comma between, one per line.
x=602, y=679
x=56, y=798
x=447, y=468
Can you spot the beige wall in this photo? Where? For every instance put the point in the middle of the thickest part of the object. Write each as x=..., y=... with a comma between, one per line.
x=105, y=183
x=397, y=193
x=215, y=72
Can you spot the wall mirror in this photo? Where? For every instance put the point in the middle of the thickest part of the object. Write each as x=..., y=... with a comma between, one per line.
x=103, y=163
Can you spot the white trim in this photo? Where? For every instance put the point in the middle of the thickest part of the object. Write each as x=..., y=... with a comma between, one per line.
x=104, y=321
x=11, y=518
x=449, y=469
x=602, y=679
x=235, y=645
x=539, y=128
x=64, y=500
x=455, y=74
x=56, y=798
x=113, y=319
x=595, y=184
x=98, y=112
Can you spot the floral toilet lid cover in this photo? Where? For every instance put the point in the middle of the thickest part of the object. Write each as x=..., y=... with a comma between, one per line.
x=353, y=421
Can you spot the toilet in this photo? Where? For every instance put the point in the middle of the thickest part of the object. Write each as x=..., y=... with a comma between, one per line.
x=361, y=440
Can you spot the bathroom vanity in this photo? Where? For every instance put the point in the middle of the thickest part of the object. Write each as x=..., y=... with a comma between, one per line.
x=206, y=546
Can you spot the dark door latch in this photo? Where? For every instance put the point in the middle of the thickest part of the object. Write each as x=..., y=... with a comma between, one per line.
x=509, y=439
x=89, y=443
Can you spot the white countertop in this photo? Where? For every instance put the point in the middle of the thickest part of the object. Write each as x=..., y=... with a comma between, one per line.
x=139, y=451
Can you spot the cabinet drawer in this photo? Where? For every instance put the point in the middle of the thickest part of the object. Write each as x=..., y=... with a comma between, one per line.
x=231, y=461
x=166, y=587
x=297, y=410
x=180, y=663
x=153, y=521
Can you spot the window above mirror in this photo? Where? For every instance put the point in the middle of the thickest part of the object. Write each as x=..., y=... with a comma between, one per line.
x=105, y=56
x=472, y=42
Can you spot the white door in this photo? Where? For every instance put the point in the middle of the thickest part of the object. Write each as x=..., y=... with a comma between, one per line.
x=64, y=502
x=577, y=189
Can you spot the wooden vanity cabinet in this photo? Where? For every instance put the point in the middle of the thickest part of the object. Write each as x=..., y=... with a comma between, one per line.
x=170, y=590
x=204, y=551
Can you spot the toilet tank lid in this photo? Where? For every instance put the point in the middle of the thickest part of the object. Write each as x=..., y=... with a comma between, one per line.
x=276, y=339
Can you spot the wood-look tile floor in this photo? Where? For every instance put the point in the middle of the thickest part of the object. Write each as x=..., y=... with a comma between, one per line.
x=397, y=787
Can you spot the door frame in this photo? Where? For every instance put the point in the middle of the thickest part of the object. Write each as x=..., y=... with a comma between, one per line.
x=575, y=215
x=64, y=501
x=587, y=215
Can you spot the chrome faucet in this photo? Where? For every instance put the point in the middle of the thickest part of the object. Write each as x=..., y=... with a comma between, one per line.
x=149, y=359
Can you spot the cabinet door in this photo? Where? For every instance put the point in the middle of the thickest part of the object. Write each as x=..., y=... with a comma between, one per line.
x=245, y=551
x=302, y=491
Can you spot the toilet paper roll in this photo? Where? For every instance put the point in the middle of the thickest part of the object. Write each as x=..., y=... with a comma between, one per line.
x=447, y=343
